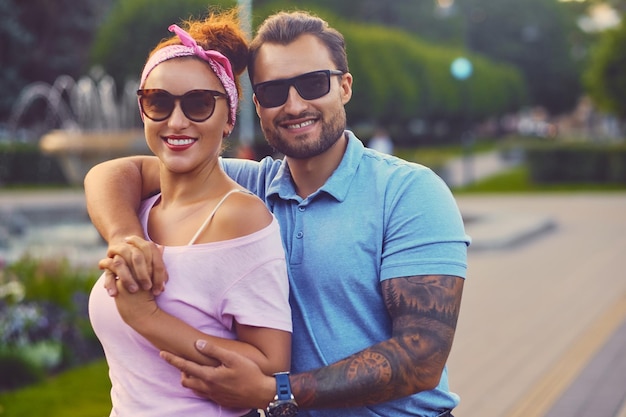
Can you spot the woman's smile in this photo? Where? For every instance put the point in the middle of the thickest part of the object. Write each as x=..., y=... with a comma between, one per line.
x=179, y=143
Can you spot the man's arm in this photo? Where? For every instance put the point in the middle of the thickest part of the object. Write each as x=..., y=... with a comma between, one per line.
x=424, y=312
x=114, y=190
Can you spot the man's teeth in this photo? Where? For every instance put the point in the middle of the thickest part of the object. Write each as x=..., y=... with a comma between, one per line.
x=179, y=142
x=299, y=125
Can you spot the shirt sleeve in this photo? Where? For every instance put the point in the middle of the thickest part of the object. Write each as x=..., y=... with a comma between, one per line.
x=261, y=297
x=425, y=234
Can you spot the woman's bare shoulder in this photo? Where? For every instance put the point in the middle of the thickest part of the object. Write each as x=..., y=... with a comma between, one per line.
x=242, y=214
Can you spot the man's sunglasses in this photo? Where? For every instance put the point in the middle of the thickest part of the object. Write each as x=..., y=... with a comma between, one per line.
x=310, y=86
x=197, y=105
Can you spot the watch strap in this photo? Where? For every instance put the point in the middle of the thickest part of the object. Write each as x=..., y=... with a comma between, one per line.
x=283, y=387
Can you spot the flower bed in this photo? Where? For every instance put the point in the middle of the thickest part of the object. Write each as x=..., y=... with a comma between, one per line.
x=44, y=323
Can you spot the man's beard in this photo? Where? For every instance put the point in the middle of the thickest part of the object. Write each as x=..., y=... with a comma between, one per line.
x=300, y=147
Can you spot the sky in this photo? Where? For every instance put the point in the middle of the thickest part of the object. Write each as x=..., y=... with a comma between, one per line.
x=601, y=17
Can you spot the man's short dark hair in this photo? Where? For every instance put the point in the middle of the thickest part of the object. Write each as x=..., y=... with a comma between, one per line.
x=285, y=27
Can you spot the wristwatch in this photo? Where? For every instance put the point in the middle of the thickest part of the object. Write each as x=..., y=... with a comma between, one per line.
x=284, y=404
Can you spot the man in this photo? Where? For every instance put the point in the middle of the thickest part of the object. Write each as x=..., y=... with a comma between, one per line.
x=375, y=246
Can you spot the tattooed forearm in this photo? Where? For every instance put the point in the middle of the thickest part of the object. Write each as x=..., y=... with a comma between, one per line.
x=424, y=312
x=361, y=379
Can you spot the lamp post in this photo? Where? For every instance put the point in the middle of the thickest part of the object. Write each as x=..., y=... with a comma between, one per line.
x=246, y=108
x=462, y=69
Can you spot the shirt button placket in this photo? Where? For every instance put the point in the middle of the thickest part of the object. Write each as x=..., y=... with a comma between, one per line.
x=298, y=246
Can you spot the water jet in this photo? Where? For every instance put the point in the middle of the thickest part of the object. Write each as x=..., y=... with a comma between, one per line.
x=81, y=123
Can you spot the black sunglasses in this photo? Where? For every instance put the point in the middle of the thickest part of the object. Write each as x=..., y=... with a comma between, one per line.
x=310, y=86
x=197, y=105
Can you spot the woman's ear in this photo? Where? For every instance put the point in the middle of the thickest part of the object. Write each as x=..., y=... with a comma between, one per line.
x=227, y=131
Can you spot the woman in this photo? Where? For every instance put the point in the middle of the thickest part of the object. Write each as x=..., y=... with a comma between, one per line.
x=222, y=248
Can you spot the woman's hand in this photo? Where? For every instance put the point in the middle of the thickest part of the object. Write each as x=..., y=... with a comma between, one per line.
x=135, y=263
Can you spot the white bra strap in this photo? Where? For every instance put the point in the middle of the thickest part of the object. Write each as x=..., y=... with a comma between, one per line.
x=208, y=219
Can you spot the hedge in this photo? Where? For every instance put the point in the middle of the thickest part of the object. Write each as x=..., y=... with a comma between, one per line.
x=22, y=164
x=577, y=163
x=398, y=78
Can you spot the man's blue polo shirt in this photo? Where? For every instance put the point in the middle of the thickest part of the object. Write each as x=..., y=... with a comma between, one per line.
x=377, y=217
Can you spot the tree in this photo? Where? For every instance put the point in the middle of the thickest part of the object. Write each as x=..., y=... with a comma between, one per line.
x=135, y=27
x=42, y=39
x=605, y=79
x=539, y=37
x=535, y=36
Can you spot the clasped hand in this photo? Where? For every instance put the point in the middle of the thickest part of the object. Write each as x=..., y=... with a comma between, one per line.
x=135, y=263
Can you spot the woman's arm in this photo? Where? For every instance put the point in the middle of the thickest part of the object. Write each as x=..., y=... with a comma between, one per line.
x=270, y=349
x=114, y=190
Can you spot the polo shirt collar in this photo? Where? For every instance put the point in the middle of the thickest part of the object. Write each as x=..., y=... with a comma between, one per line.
x=337, y=185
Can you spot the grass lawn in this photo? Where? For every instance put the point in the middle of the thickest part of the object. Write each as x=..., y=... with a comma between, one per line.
x=80, y=392
x=516, y=180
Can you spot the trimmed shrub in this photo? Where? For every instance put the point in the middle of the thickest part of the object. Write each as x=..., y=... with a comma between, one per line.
x=25, y=164
x=577, y=163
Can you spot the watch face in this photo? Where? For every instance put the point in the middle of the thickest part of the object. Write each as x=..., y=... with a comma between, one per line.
x=286, y=409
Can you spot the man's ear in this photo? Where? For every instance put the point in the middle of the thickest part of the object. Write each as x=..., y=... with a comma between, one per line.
x=257, y=106
x=346, y=87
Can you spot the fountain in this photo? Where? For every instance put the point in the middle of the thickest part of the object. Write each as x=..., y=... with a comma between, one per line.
x=83, y=123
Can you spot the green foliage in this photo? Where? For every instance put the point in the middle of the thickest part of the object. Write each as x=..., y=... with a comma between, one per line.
x=43, y=319
x=605, y=79
x=538, y=37
x=42, y=39
x=399, y=78
x=134, y=28
x=55, y=281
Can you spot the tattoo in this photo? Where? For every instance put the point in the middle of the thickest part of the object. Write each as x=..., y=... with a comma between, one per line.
x=432, y=296
x=424, y=312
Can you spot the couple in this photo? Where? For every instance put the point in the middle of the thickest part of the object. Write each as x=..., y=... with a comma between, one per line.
x=375, y=247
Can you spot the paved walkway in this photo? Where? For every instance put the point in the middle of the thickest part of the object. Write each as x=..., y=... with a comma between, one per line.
x=542, y=329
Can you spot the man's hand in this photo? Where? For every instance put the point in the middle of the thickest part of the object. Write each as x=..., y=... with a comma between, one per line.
x=135, y=262
x=238, y=382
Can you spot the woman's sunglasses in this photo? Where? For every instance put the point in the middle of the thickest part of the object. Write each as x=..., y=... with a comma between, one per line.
x=310, y=86
x=197, y=105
